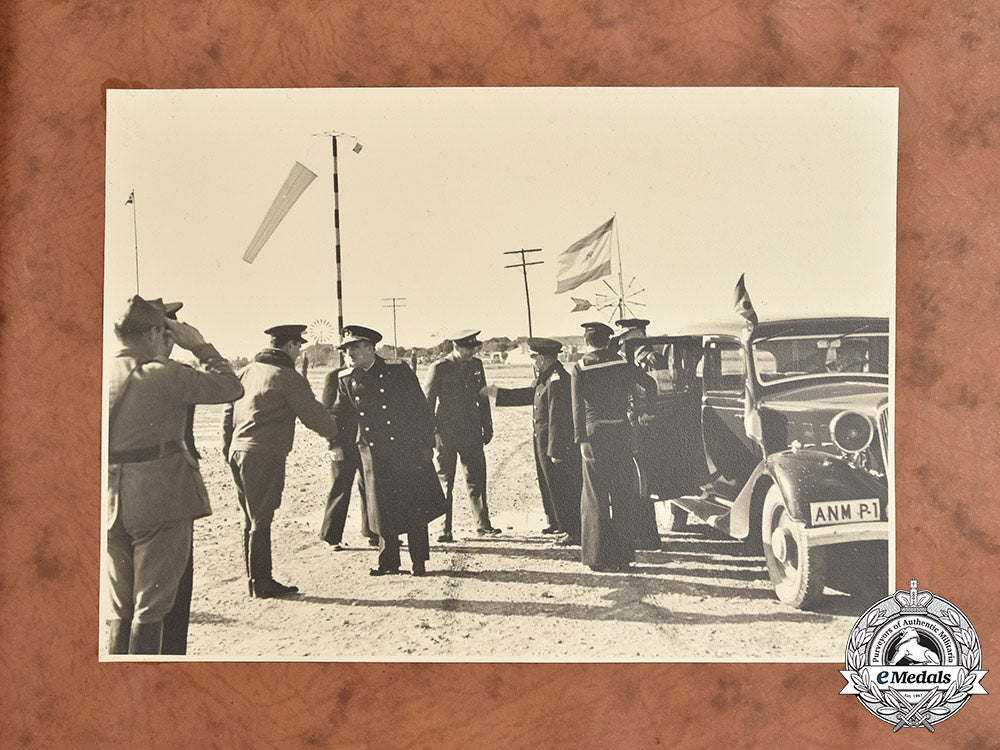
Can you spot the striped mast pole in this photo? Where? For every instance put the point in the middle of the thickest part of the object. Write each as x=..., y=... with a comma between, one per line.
x=336, y=232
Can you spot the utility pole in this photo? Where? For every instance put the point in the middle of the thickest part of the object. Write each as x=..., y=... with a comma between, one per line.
x=394, y=304
x=523, y=265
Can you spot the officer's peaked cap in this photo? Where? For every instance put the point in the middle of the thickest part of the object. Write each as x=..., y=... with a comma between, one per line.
x=169, y=308
x=632, y=323
x=350, y=334
x=291, y=332
x=465, y=337
x=544, y=346
x=139, y=315
x=598, y=328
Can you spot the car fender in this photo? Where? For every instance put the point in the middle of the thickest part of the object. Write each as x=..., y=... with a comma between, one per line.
x=804, y=476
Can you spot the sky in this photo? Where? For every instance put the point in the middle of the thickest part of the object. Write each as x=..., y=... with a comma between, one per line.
x=793, y=187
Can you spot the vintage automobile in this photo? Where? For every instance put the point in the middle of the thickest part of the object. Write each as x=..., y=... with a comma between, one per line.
x=776, y=434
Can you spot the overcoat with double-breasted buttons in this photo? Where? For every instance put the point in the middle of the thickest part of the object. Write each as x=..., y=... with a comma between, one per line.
x=395, y=431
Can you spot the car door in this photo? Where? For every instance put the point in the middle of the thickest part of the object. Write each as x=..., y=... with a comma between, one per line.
x=670, y=446
x=730, y=455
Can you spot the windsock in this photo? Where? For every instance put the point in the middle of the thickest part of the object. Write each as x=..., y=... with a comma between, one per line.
x=296, y=183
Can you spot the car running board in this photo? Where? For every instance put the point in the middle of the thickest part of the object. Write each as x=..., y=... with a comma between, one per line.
x=713, y=511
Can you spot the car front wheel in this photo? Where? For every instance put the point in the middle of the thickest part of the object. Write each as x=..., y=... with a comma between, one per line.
x=798, y=571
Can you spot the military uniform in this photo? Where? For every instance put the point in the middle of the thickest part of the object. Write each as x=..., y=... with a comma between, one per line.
x=602, y=384
x=154, y=489
x=557, y=460
x=394, y=430
x=463, y=425
x=342, y=472
x=258, y=433
x=645, y=532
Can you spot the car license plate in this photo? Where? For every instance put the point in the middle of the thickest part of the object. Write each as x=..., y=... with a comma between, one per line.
x=844, y=511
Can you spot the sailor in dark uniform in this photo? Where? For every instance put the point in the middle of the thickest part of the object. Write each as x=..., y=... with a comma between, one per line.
x=602, y=384
x=395, y=439
x=645, y=533
x=557, y=459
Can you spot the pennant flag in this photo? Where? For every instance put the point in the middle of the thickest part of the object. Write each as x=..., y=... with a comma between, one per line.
x=586, y=259
x=581, y=304
x=131, y=198
x=298, y=180
x=743, y=305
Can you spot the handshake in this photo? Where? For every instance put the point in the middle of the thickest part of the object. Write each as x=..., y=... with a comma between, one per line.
x=488, y=391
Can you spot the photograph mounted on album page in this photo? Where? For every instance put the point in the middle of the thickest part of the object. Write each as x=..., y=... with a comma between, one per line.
x=497, y=374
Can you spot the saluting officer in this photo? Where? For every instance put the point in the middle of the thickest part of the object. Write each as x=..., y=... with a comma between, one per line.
x=395, y=439
x=645, y=533
x=155, y=489
x=257, y=434
x=602, y=384
x=557, y=459
x=463, y=425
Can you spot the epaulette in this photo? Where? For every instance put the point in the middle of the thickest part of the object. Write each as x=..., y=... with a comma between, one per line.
x=554, y=378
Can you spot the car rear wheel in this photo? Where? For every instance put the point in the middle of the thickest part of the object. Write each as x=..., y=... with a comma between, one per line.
x=798, y=571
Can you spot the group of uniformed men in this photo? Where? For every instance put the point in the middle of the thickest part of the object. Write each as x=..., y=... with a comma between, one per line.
x=380, y=424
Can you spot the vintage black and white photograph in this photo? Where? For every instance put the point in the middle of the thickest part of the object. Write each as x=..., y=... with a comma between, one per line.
x=497, y=374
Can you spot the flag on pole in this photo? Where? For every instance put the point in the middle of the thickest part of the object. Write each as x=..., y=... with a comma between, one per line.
x=581, y=304
x=295, y=184
x=743, y=305
x=131, y=198
x=586, y=259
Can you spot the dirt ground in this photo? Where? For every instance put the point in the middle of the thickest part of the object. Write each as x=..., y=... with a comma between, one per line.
x=515, y=597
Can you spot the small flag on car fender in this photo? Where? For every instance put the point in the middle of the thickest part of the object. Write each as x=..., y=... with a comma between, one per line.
x=131, y=198
x=743, y=305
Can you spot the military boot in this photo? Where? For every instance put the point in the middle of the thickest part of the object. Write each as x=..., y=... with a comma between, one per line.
x=118, y=636
x=147, y=638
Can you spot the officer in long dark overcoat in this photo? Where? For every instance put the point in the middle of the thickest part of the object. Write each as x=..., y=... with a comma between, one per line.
x=463, y=425
x=602, y=385
x=395, y=438
x=557, y=459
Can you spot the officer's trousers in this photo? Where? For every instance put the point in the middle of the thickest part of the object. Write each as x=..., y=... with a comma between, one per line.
x=339, y=500
x=417, y=543
x=260, y=479
x=606, y=539
x=474, y=464
x=559, y=483
x=144, y=569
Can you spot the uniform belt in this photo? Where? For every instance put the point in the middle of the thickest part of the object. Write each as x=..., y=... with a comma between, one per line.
x=138, y=455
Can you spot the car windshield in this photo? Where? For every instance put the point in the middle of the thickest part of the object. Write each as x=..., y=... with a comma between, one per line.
x=789, y=356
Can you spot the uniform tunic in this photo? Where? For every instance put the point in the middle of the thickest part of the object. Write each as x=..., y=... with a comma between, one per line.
x=602, y=384
x=155, y=489
x=557, y=459
x=463, y=424
x=394, y=430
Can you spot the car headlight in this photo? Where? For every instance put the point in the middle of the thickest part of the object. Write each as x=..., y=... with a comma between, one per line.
x=851, y=432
